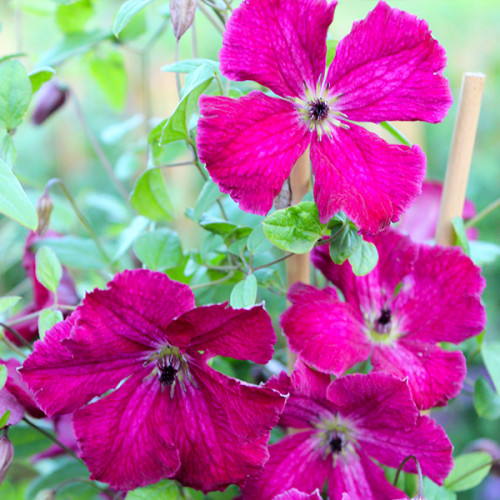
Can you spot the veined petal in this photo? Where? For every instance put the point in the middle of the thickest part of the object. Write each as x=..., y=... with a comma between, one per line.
x=295, y=494
x=390, y=68
x=123, y=437
x=295, y=462
x=326, y=333
x=434, y=375
x=372, y=181
x=9, y=402
x=250, y=145
x=277, y=43
x=221, y=330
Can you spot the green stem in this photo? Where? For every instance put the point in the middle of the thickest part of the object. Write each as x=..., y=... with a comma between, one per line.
x=473, y=471
x=396, y=133
x=212, y=283
x=281, y=259
x=16, y=334
x=11, y=346
x=481, y=215
x=213, y=19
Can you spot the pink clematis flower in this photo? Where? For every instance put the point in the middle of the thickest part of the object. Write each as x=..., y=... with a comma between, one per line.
x=170, y=415
x=397, y=313
x=388, y=68
x=341, y=427
x=42, y=297
x=295, y=494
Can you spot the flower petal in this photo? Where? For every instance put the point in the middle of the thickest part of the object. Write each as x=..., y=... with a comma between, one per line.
x=434, y=375
x=326, y=333
x=277, y=43
x=8, y=402
x=295, y=462
x=390, y=68
x=250, y=145
x=295, y=494
x=221, y=330
x=372, y=181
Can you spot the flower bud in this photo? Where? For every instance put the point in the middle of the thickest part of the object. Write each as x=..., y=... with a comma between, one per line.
x=52, y=96
x=46, y=495
x=182, y=14
x=6, y=456
x=44, y=207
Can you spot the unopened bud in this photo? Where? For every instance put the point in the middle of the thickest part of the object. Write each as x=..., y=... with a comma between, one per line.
x=51, y=97
x=44, y=207
x=182, y=13
x=6, y=456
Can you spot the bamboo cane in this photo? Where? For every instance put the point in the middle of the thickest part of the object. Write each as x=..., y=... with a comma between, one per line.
x=459, y=161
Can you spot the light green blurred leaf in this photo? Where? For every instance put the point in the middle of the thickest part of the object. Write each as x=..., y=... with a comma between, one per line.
x=73, y=17
x=126, y=12
x=484, y=252
x=257, y=241
x=47, y=319
x=190, y=65
x=491, y=357
x=13, y=201
x=164, y=490
x=460, y=235
x=48, y=268
x=469, y=470
x=7, y=302
x=215, y=225
x=208, y=196
x=150, y=197
x=39, y=76
x=15, y=94
x=434, y=492
x=9, y=151
x=4, y=419
x=244, y=293
x=486, y=401
x=129, y=235
x=159, y=250
x=295, y=229
x=364, y=259
x=3, y=378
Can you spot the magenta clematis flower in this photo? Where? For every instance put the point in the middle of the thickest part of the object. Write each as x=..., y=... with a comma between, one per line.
x=388, y=68
x=42, y=297
x=341, y=427
x=170, y=415
x=295, y=494
x=397, y=313
x=421, y=219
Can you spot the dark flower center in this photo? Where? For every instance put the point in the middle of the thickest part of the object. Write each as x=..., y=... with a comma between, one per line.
x=167, y=375
x=385, y=316
x=318, y=109
x=336, y=441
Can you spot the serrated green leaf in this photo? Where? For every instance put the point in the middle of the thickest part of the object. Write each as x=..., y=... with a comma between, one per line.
x=295, y=229
x=208, y=196
x=15, y=94
x=159, y=250
x=150, y=197
x=164, y=490
x=47, y=319
x=364, y=259
x=460, y=234
x=126, y=12
x=244, y=293
x=72, y=18
x=3, y=378
x=346, y=241
x=491, y=357
x=48, y=268
x=7, y=302
x=109, y=72
x=486, y=401
x=257, y=241
x=13, y=200
x=4, y=418
x=39, y=76
x=469, y=470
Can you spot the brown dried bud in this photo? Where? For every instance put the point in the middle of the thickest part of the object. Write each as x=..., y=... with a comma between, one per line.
x=182, y=13
x=44, y=207
x=51, y=97
x=6, y=456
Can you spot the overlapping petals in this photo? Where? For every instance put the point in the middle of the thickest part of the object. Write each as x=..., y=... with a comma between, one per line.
x=398, y=313
x=168, y=414
x=373, y=77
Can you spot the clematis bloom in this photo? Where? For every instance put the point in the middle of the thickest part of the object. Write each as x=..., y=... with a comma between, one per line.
x=295, y=494
x=387, y=68
x=169, y=415
x=340, y=428
x=397, y=313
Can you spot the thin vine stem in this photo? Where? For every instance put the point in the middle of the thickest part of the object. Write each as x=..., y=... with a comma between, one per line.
x=11, y=346
x=214, y=20
x=212, y=283
x=481, y=215
x=16, y=334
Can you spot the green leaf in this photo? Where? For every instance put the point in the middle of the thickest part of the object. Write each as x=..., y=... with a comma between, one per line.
x=12, y=56
x=346, y=241
x=3, y=377
x=364, y=259
x=126, y=12
x=164, y=490
x=244, y=293
x=460, y=235
x=433, y=491
x=7, y=302
x=217, y=226
x=13, y=200
x=486, y=401
x=177, y=126
x=150, y=197
x=331, y=47
x=189, y=65
x=48, y=268
x=116, y=132
x=484, y=252
x=491, y=357
x=4, y=418
x=257, y=241
x=295, y=229
x=110, y=74
x=159, y=250
x=72, y=18
x=9, y=151
x=469, y=470
x=39, y=76
x=15, y=94
x=129, y=235
x=47, y=319
x=208, y=196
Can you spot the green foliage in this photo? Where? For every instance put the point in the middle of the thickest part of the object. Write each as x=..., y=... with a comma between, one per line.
x=13, y=200
x=126, y=12
x=469, y=470
x=4, y=418
x=39, y=76
x=345, y=239
x=460, y=235
x=3, y=377
x=15, y=94
x=257, y=241
x=48, y=268
x=208, y=196
x=159, y=250
x=364, y=259
x=164, y=490
x=244, y=293
x=9, y=151
x=73, y=17
x=150, y=197
x=486, y=401
x=47, y=319
x=434, y=492
x=295, y=229
x=491, y=357
x=7, y=302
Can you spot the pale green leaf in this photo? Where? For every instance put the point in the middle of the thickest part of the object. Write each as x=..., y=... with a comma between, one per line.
x=48, y=268
x=208, y=196
x=491, y=356
x=126, y=12
x=3, y=377
x=164, y=490
x=47, y=319
x=364, y=259
x=72, y=18
x=257, y=241
x=460, y=234
x=4, y=418
x=346, y=241
x=244, y=293
x=150, y=197
x=486, y=401
x=8, y=302
x=159, y=250
x=9, y=151
x=39, y=76
x=468, y=471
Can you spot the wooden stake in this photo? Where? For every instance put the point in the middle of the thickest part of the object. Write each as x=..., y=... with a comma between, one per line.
x=462, y=145
x=298, y=266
